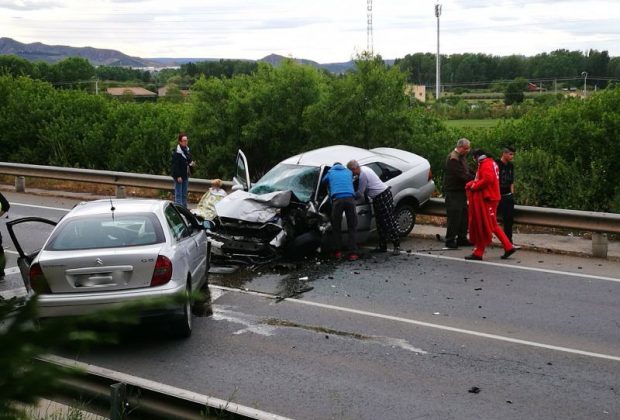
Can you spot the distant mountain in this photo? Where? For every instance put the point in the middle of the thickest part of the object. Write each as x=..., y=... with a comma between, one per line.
x=275, y=59
x=54, y=53
x=177, y=61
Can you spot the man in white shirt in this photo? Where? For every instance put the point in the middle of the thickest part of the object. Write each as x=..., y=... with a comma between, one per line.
x=382, y=203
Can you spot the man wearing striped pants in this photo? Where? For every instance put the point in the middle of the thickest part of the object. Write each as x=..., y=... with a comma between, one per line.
x=382, y=202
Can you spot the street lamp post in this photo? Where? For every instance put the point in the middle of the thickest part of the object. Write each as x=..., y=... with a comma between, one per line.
x=438, y=64
x=584, y=74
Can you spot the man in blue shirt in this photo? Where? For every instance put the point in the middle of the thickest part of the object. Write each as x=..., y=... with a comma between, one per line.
x=342, y=195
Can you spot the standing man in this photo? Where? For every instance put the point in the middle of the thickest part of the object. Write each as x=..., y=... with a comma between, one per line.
x=382, y=202
x=456, y=176
x=342, y=195
x=181, y=169
x=483, y=194
x=4, y=207
x=506, y=189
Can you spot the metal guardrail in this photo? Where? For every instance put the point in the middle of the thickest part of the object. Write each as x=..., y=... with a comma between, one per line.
x=120, y=179
x=588, y=221
x=123, y=396
x=598, y=223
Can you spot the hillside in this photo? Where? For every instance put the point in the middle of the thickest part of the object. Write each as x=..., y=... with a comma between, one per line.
x=54, y=53
x=38, y=51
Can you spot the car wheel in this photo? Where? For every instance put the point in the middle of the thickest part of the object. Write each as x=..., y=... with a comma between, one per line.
x=202, y=304
x=405, y=218
x=182, y=326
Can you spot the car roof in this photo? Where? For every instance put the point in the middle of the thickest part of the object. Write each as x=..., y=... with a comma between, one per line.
x=124, y=205
x=343, y=154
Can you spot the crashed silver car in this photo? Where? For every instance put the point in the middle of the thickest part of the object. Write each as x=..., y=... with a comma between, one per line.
x=287, y=211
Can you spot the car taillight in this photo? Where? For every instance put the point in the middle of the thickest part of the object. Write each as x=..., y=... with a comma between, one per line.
x=162, y=272
x=38, y=282
x=430, y=174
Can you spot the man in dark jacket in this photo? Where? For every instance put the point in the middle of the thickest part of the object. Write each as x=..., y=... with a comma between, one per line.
x=342, y=195
x=181, y=164
x=506, y=189
x=457, y=174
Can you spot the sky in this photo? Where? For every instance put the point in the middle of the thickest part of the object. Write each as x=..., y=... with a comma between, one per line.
x=321, y=30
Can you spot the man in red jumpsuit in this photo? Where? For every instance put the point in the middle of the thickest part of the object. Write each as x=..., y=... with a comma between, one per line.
x=483, y=196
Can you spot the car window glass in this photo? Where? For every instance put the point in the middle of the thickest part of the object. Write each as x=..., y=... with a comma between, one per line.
x=241, y=172
x=188, y=218
x=384, y=171
x=301, y=180
x=322, y=186
x=32, y=235
x=105, y=231
x=177, y=225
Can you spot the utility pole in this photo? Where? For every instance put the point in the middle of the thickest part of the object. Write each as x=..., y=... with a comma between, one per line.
x=438, y=61
x=584, y=74
x=369, y=43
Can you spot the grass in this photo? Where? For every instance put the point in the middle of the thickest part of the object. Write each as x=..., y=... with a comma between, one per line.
x=482, y=123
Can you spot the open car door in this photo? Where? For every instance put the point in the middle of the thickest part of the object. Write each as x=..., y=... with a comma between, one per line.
x=241, y=180
x=28, y=235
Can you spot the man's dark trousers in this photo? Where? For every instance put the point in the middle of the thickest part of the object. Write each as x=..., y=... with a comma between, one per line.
x=346, y=205
x=506, y=209
x=456, y=210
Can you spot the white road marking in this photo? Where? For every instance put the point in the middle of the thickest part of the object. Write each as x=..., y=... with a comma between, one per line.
x=518, y=267
x=38, y=207
x=431, y=325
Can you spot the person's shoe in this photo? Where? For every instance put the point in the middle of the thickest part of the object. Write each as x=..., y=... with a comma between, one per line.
x=464, y=242
x=396, y=251
x=337, y=255
x=508, y=253
x=353, y=257
x=473, y=257
x=452, y=245
x=379, y=249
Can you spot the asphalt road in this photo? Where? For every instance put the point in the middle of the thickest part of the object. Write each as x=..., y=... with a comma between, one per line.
x=420, y=335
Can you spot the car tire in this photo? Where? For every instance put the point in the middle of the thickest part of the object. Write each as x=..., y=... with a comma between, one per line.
x=405, y=216
x=202, y=305
x=303, y=245
x=181, y=327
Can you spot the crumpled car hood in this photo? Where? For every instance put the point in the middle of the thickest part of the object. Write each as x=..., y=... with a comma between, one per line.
x=249, y=207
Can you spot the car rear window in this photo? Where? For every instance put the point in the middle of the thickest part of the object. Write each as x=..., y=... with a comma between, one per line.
x=107, y=231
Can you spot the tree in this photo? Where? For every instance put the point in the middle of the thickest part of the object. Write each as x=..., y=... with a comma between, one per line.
x=262, y=113
x=13, y=65
x=514, y=91
x=69, y=73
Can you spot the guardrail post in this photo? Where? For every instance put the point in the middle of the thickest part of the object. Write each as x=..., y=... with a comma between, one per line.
x=20, y=184
x=599, y=245
x=118, y=397
x=120, y=191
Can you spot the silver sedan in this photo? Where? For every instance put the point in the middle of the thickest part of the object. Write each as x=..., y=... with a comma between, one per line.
x=288, y=208
x=109, y=252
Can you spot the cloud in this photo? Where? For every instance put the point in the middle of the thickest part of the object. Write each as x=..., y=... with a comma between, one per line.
x=28, y=4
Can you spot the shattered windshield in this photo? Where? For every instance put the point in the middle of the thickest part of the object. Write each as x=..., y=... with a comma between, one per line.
x=301, y=180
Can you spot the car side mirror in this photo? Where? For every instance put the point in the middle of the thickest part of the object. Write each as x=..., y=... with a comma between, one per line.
x=208, y=224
